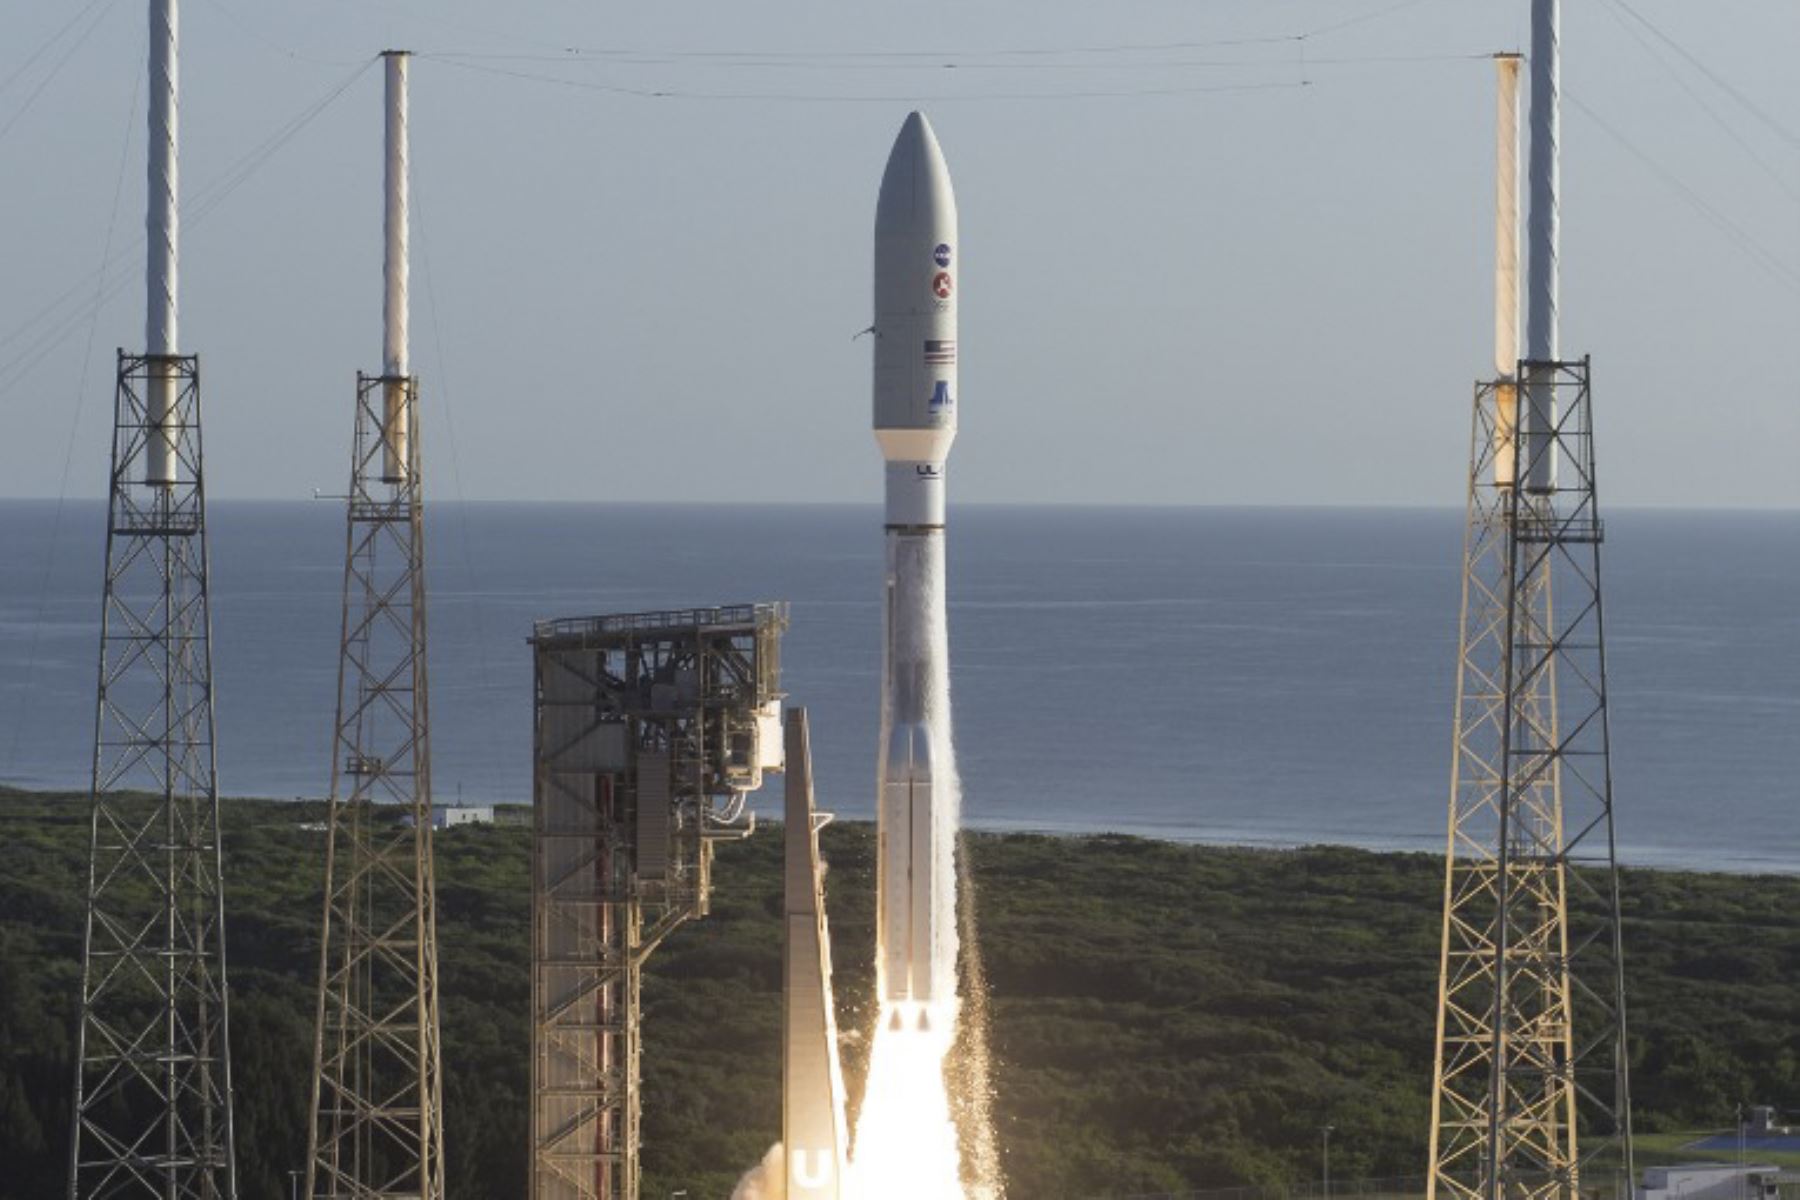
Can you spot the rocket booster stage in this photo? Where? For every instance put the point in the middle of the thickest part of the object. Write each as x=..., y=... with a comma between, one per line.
x=915, y=421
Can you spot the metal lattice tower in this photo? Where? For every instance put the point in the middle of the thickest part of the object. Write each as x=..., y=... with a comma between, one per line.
x=650, y=729
x=153, y=1077
x=1530, y=1094
x=1531, y=1088
x=152, y=1095
x=378, y=1086
x=378, y=1129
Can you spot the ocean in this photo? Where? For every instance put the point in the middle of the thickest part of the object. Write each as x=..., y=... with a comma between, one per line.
x=1252, y=676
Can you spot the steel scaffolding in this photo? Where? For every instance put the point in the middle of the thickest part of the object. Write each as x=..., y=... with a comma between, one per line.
x=377, y=1128
x=650, y=729
x=153, y=1075
x=1531, y=1089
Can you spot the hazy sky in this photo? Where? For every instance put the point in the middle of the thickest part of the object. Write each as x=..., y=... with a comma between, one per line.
x=1207, y=259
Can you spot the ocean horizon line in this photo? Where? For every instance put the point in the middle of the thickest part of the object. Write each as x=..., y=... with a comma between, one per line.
x=874, y=505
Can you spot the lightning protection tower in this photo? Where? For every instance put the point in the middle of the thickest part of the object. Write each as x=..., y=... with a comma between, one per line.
x=651, y=728
x=377, y=1129
x=152, y=1097
x=1531, y=1092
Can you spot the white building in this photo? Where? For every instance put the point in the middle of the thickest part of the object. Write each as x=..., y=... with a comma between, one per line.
x=448, y=816
x=1710, y=1181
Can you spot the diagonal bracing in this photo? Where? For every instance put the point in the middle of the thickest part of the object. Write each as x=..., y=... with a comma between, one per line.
x=1531, y=1088
x=377, y=1130
x=153, y=1079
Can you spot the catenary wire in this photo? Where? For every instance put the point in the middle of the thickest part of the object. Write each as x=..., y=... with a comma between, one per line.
x=853, y=98
x=1778, y=270
x=99, y=18
x=255, y=37
x=1706, y=106
x=54, y=38
x=205, y=200
x=63, y=320
x=462, y=500
x=1723, y=84
x=964, y=65
x=62, y=489
x=827, y=57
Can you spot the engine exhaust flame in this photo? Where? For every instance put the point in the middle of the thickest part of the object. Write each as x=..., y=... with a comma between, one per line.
x=906, y=1143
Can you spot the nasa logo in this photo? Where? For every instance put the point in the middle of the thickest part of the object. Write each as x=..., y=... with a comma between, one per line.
x=940, y=395
x=942, y=285
x=941, y=255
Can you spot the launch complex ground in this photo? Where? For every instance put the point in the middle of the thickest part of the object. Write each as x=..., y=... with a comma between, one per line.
x=1165, y=1018
x=651, y=731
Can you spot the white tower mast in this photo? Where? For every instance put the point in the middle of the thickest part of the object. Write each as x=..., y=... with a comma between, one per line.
x=162, y=308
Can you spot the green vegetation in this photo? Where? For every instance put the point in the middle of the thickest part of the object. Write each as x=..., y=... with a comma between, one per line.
x=1163, y=1017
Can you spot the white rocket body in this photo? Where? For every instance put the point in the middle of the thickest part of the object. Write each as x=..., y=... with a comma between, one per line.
x=915, y=393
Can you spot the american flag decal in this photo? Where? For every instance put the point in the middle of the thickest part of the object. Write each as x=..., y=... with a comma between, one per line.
x=940, y=353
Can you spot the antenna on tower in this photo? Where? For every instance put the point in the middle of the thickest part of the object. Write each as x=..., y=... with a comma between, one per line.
x=152, y=1111
x=1531, y=1095
x=377, y=1126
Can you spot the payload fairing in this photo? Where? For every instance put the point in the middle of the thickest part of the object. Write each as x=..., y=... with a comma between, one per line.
x=915, y=393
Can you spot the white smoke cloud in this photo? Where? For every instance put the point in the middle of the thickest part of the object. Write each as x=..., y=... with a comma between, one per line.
x=767, y=1180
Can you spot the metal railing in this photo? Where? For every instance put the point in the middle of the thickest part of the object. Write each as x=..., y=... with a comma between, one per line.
x=679, y=618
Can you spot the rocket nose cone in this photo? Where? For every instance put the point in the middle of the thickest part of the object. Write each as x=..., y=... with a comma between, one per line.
x=916, y=184
x=915, y=130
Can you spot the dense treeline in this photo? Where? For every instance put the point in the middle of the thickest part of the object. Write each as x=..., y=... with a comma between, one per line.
x=1162, y=1016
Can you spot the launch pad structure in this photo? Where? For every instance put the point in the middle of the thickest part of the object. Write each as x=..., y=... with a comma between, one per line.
x=377, y=1110
x=153, y=1080
x=152, y=1112
x=650, y=729
x=1531, y=1087
x=1532, y=1094
x=377, y=1129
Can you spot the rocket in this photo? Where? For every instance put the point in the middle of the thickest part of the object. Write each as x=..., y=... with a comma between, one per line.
x=915, y=394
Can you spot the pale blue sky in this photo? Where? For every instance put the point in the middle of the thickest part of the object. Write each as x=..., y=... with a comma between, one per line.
x=1187, y=277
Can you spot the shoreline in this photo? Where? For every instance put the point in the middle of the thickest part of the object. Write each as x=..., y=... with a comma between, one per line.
x=1631, y=858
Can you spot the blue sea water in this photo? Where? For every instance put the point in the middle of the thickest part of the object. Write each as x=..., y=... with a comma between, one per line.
x=1261, y=676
